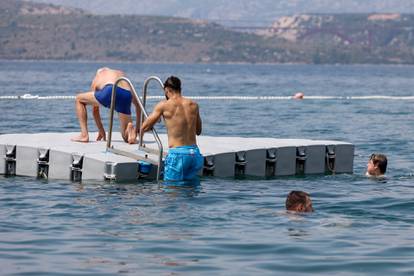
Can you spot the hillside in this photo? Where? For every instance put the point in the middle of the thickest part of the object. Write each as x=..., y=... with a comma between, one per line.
x=132, y=38
x=40, y=31
x=351, y=38
x=245, y=10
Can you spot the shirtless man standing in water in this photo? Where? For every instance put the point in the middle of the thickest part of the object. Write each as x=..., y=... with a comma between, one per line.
x=183, y=123
x=100, y=94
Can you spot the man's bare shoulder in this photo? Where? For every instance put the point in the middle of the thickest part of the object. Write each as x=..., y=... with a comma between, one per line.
x=162, y=104
x=190, y=102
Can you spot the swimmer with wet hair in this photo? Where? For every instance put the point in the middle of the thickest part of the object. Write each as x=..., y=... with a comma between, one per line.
x=299, y=201
x=377, y=165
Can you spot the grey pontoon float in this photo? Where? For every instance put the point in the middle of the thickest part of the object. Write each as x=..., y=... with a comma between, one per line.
x=55, y=156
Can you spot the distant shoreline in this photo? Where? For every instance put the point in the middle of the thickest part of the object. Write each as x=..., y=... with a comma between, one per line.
x=202, y=63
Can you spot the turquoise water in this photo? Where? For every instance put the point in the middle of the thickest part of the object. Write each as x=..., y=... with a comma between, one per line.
x=222, y=226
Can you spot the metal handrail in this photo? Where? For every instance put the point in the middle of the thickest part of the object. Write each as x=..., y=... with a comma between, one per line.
x=143, y=114
x=144, y=100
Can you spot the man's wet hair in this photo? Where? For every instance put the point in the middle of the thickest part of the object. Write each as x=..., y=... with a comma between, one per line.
x=174, y=83
x=379, y=160
x=297, y=198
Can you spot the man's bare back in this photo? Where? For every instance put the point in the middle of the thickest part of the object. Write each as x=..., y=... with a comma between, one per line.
x=106, y=76
x=182, y=119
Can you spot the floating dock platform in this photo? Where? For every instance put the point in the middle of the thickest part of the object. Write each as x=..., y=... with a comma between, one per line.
x=55, y=156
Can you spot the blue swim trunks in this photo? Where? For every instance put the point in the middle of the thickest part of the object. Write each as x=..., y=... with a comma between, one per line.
x=123, y=98
x=182, y=163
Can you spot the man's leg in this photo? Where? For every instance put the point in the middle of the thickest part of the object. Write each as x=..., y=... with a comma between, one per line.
x=127, y=128
x=82, y=100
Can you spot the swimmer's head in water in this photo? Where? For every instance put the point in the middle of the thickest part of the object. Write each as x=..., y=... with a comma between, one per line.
x=299, y=201
x=377, y=164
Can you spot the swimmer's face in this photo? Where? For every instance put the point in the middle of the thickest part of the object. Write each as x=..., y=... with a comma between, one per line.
x=307, y=207
x=371, y=168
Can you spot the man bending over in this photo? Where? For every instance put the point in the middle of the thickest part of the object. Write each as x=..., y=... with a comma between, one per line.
x=101, y=94
x=183, y=123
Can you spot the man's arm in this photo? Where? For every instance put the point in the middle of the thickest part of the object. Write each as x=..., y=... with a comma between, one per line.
x=199, y=124
x=153, y=118
x=98, y=121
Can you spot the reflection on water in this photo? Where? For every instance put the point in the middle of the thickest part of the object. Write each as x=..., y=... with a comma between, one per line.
x=297, y=233
x=189, y=188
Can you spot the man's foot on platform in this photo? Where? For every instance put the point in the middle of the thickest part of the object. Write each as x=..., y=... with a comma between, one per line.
x=80, y=138
x=132, y=136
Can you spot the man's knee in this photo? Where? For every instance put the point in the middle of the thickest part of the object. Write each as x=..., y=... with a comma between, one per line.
x=81, y=98
x=78, y=98
x=84, y=98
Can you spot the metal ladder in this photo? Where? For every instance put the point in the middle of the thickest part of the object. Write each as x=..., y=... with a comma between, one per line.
x=144, y=102
x=143, y=116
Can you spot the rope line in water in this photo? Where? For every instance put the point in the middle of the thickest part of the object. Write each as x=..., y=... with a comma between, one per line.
x=239, y=98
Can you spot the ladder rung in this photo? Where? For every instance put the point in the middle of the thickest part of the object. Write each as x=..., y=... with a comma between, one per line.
x=133, y=156
x=152, y=151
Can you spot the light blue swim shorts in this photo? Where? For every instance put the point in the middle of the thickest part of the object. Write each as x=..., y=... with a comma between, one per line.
x=182, y=163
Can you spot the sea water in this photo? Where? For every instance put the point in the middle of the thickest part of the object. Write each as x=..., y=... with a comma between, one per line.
x=360, y=226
